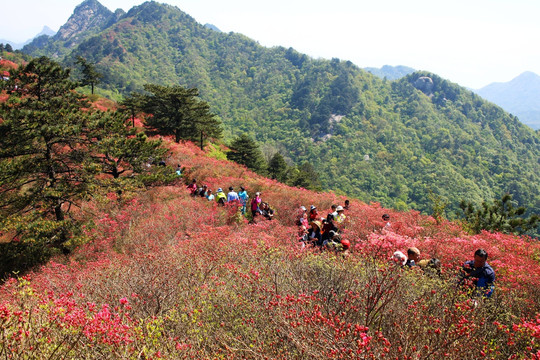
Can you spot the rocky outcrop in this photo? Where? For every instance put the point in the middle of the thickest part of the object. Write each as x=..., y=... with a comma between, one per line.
x=89, y=16
x=424, y=84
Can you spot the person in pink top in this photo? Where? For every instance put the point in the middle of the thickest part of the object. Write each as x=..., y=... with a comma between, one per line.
x=255, y=204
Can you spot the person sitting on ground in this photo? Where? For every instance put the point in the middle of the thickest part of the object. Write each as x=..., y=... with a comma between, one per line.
x=331, y=240
x=221, y=198
x=399, y=258
x=413, y=255
x=179, y=170
x=328, y=228
x=347, y=204
x=266, y=211
x=430, y=266
x=255, y=202
x=341, y=216
x=481, y=274
x=209, y=195
x=313, y=213
x=300, y=216
x=202, y=190
x=193, y=187
x=243, y=195
x=304, y=220
x=314, y=233
x=232, y=195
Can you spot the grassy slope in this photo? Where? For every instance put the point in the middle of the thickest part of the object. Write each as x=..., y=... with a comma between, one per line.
x=167, y=275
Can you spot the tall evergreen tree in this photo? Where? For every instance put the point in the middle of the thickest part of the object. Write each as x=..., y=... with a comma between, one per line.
x=277, y=168
x=119, y=149
x=44, y=167
x=306, y=177
x=90, y=75
x=179, y=112
x=245, y=151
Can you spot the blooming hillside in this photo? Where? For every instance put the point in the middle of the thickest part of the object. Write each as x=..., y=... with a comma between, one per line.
x=167, y=275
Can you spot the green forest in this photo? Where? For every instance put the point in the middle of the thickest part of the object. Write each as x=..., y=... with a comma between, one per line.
x=393, y=142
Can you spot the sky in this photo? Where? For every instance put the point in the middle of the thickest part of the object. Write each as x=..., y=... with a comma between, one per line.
x=469, y=42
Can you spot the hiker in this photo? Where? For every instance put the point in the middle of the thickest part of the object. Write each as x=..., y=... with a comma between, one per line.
x=221, y=198
x=179, y=170
x=431, y=266
x=314, y=233
x=341, y=216
x=255, y=204
x=302, y=213
x=331, y=239
x=266, y=211
x=399, y=258
x=243, y=195
x=202, y=190
x=386, y=219
x=303, y=221
x=313, y=213
x=209, y=195
x=328, y=227
x=413, y=255
x=481, y=274
x=347, y=204
x=334, y=212
x=193, y=187
x=232, y=195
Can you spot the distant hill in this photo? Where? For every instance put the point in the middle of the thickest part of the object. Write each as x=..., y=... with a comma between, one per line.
x=520, y=97
x=391, y=142
x=16, y=46
x=391, y=72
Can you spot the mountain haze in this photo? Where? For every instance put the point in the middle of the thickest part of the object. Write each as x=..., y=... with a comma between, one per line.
x=392, y=142
x=520, y=96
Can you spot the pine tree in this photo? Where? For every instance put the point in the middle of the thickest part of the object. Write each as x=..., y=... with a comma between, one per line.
x=179, y=112
x=306, y=177
x=90, y=75
x=501, y=216
x=119, y=149
x=277, y=168
x=245, y=151
x=44, y=167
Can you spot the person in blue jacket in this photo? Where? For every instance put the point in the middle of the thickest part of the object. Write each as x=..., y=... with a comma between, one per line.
x=479, y=271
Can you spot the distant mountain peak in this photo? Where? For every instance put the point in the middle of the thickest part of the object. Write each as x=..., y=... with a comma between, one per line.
x=519, y=96
x=87, y=16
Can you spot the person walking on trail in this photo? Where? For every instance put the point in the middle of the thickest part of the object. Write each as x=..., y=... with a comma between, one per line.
x=255, y=202
x=243, y=195
x=232, y=195
x=221, y=198
x=209, y=195
x=179, y=170
x=481, y=274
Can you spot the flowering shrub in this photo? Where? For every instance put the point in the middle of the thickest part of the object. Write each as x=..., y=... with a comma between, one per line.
x=167, y=275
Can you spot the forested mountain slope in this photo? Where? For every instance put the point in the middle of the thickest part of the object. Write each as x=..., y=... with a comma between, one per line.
x=392, y=142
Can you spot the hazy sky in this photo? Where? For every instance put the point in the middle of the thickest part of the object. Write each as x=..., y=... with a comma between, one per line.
x=471, y=42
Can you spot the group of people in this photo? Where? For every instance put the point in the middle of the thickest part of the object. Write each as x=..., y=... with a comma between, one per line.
x=323, y=232
x=257, y=206
x=477, y=272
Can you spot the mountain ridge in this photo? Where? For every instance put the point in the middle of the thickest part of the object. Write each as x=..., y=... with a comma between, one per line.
x=439, y=137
